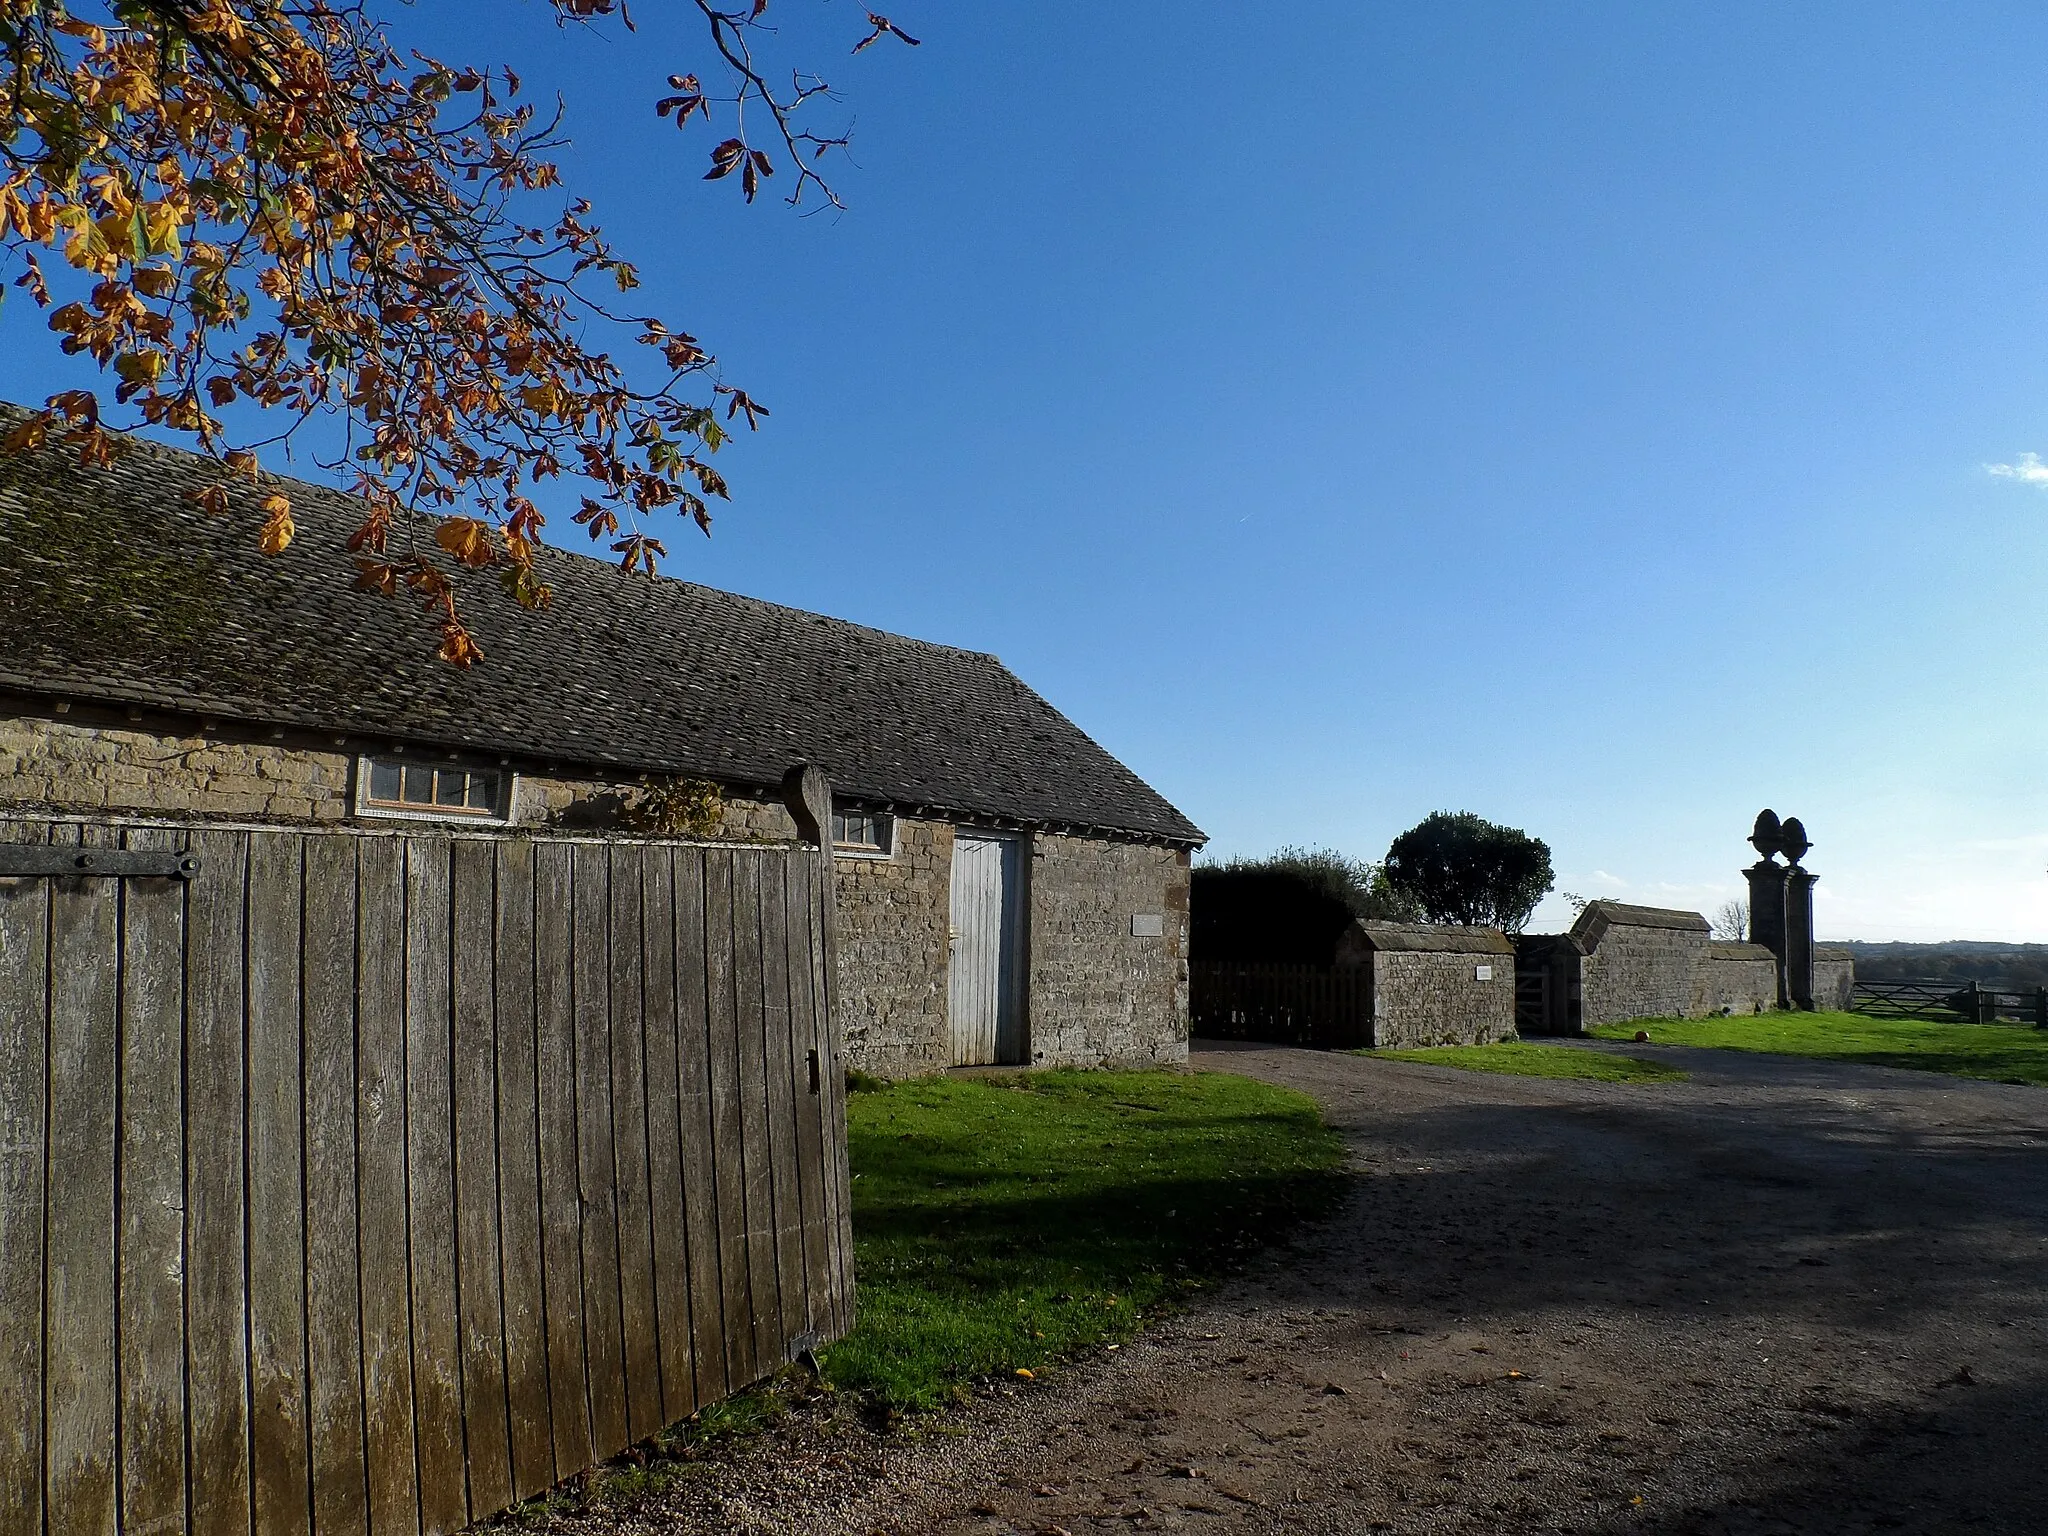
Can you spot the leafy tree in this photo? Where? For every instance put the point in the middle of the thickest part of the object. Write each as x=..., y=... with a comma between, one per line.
x=1288, y=907
x=272, y=201
x=1461, y=868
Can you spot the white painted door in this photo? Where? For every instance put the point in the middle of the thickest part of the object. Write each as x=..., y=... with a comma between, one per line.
x=982, y=1004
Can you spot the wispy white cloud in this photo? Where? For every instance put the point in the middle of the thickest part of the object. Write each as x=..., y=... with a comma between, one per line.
x=2029, y=469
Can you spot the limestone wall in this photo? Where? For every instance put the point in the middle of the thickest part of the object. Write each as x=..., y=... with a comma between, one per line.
x=1834, y=978
x=894, y=949
x=1421, y=997
x=92, y=760
x=1100, y=994
x=1735, y=978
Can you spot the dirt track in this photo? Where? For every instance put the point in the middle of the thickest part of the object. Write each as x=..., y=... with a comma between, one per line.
x=1783, y=1296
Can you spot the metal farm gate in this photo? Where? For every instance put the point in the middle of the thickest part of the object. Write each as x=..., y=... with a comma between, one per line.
x=369, y=1181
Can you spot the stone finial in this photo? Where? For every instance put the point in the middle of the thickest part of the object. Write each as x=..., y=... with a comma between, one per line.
x=1768, y=837
x=1792, y=840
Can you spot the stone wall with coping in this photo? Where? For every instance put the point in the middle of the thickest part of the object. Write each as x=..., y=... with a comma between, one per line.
x=1423, y=997
x=1834, y=978
x=1735, y=978
x=1099, y=993
x=894, y=951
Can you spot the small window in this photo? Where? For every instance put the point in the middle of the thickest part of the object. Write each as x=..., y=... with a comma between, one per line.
x=868, y=833
x=426, y=789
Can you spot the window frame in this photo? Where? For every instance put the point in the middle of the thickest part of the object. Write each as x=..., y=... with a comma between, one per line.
x=498, y=814
x=879, y=853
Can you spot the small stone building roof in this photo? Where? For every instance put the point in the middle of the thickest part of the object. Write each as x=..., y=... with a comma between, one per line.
x=1831, y=952
x=1735, y=949
x=1600, y=916
x=117, y=588
x=1436, y=938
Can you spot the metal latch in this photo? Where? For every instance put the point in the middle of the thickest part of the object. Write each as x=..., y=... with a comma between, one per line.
x=108, y=863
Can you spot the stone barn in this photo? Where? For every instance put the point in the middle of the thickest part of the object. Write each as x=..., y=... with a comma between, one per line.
x=1007, y=891
x=1434, y=983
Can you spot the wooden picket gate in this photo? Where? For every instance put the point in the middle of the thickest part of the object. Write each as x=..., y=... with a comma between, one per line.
x=367, y=1182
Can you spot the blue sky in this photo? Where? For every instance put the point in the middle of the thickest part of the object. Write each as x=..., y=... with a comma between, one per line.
x=1578, y=414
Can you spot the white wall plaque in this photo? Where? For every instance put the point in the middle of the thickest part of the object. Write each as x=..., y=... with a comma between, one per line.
x=1148, y=925
x=1482, y=973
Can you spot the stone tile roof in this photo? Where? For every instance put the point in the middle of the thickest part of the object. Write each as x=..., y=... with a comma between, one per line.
x=1436, y=938
x=1737, y=949
x=1601, y=915
x=114, y=586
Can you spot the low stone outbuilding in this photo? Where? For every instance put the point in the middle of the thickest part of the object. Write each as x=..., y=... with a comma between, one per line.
x=1434, y=983
x=1007, y=891
x=1622, y=962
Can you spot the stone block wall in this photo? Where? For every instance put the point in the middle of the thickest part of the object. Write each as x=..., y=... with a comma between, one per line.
x=894, y=951
x=1735, y=978
x=86, y=765
x=86, y=760
x=1099, y=994
x=1834, y=978
x=1422, y=997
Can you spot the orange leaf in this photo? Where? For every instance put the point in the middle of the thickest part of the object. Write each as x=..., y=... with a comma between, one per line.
x=467, y=539
x=278, y=529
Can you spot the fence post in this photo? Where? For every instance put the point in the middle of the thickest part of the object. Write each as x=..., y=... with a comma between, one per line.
x=1976, y=1003
x=2041, y=1007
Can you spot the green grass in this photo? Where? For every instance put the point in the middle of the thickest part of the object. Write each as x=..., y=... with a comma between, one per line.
x=1001, y=1224
x=1525, y=1060
x=2003, y=1053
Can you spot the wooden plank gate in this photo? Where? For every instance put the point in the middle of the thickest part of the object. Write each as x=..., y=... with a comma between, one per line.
x=1314, y=1005
x=365, y=1181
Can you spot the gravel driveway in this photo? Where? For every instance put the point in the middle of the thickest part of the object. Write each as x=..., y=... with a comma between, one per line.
x=1782, y=1296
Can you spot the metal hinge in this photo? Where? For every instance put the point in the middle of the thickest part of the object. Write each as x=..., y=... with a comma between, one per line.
x=109, y=863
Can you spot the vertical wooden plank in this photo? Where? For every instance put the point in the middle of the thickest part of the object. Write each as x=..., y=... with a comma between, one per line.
x=334, y=1341
x=276, y=1233
x=473, y=895
x=787, y=1227
x=759, y=1179
x=808, y=1050
x=384, y=1263
x=694, y=1130
x=519, y=1221
x=78, y=1277
x=603, y=1343
x=216, y=1321
x=664, y=1135
x=838, y=1185
x=728, y=1137
x=637, y=1315
x=561, y=1200
x=150, y=1189
x=24, y=1067
x=430, y=1187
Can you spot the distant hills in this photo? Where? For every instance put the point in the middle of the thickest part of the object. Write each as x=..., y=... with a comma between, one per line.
x=1958, y=960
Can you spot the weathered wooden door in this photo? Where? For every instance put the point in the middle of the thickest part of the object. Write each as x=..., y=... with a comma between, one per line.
x=983, y=1002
